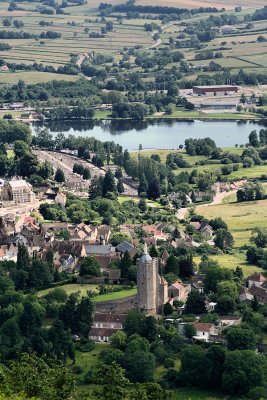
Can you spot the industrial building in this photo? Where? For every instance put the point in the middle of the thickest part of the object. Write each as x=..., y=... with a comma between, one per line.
x=220, y=90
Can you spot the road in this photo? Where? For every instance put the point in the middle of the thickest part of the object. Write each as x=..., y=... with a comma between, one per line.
x=218, y=199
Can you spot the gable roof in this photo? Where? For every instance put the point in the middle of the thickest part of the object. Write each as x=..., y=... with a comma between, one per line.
x=256, y=277
x=124, y=246
x=203, y=326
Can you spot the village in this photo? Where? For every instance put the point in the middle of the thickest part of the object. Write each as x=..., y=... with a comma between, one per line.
x=71, y=243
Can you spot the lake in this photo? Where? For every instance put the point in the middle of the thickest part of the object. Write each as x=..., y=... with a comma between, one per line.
x=157, y=134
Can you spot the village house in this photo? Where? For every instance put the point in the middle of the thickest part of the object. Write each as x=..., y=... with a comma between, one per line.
x=256, y=279
x=105, y=325
x=230, y=320
x=204, y=330
x=179, y=291
x=198, y=282
x=259, y=292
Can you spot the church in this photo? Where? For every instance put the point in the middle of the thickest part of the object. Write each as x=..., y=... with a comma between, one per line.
x=152, y=289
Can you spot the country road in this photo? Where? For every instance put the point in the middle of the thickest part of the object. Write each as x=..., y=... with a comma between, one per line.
x=218, y=199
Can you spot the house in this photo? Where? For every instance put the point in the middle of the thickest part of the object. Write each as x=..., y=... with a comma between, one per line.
x=105, y=325
x=84, y=232
x=103, y=234
x=18, y=191
x=259, y=292
x=55, y=227
x=203, y=331
x=230, y=320
x=99, y=249
x=246, y=297
x=179, y=291
x=256, y=279
x=126, y=246
x=61, y=199
x=198, y=282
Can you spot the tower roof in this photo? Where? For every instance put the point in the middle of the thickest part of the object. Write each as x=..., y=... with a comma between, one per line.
x=145, y=256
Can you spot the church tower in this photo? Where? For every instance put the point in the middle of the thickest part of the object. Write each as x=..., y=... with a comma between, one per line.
x=147, y=274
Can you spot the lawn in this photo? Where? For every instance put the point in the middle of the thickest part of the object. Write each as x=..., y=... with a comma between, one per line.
x=71, y=288
x=89, y=359
x=83, y=288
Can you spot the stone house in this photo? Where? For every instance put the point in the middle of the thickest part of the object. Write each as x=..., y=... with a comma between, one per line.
x=179, y=291
x=105, y=325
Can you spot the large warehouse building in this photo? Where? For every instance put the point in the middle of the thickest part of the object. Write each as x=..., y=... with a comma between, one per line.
x=219, y=90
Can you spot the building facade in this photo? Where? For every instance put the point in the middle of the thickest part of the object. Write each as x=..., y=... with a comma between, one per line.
x=218, y=90
x=18, y=191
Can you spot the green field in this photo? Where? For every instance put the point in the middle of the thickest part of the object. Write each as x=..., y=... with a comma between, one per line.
x=240, y=217
x=83, y=288
x=231, y=261
x=31, y=77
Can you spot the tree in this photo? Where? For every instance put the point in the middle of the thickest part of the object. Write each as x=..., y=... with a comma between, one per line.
x=118, y=237
x=134, y=323
x=153, y=191
x=111, y=382
x=240, y=338
x=90, y=267
x=253, y=139
x=40, y=274
x=190, y=330
x=109, y=184
x=59, y=176
x=243, y=370
x=143, y=185
x=214, y=275
x=224, y=239
x=96, y=188
x=34, y=377
x=61, y=341
x=86, y=174
x=195, y=303
x=167, y=308
x=172, y=265
x=125, y=264
x=120, y=187
x=225, y=305
x=140, y=366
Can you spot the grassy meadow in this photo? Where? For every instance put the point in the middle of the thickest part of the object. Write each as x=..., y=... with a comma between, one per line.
x=83, y=288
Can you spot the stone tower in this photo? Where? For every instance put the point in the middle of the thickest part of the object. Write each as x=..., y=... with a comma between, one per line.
x=146, y=283
x=152, y=289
